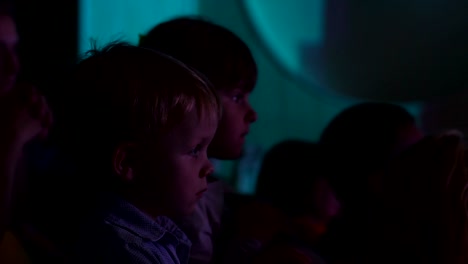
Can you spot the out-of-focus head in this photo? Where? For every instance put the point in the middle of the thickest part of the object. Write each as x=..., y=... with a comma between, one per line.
x=9, y=60
x=359, y=143
x=425, y=202
x=291, y=179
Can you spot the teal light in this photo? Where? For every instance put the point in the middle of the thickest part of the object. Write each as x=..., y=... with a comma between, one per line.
x=285, y=26
x=275, y=30
x=105, y=21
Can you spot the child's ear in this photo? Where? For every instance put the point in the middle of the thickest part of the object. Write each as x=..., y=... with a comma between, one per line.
x=123, y=161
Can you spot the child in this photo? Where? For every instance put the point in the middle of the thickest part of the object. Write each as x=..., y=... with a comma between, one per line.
x=139, y=127
x=228, y=63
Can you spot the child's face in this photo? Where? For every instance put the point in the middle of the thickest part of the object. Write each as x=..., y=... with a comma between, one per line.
x=408, y=136
x=310, y=226
x=178, y=166
x=9, y=62
x=234, y=125
x=325, y=201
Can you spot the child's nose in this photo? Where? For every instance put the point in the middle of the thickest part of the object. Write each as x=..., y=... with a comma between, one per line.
x=207, y=170
x=251, y=115
x=12, y=66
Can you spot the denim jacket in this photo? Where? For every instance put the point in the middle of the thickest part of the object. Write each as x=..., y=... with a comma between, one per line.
x=123, y=234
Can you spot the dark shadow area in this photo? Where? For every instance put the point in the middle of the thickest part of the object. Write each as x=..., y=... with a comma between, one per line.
x=48, y=46
x=392, y=50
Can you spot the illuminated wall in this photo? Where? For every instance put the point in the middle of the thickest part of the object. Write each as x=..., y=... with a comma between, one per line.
x=107, y=20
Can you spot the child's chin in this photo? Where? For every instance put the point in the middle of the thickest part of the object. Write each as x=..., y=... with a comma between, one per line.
x=188, y=210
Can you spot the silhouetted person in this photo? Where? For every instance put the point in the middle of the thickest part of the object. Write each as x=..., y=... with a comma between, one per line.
x=359, y=143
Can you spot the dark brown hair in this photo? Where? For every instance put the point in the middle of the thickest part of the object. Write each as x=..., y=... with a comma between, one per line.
x=211, y=49
x=288, y=173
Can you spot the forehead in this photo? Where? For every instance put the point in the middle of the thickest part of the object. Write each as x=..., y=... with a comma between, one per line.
x=232, y=90
x=186, y=134
x=8, y=32
x=192, y=127
x=196, y=121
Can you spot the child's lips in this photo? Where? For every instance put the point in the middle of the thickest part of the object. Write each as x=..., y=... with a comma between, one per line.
x=200, y=193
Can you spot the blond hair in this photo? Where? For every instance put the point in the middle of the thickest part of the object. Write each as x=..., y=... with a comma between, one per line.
x=126, y=93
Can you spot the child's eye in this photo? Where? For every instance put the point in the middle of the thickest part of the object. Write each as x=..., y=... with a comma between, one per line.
x=238, y=98
x=196, y=150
